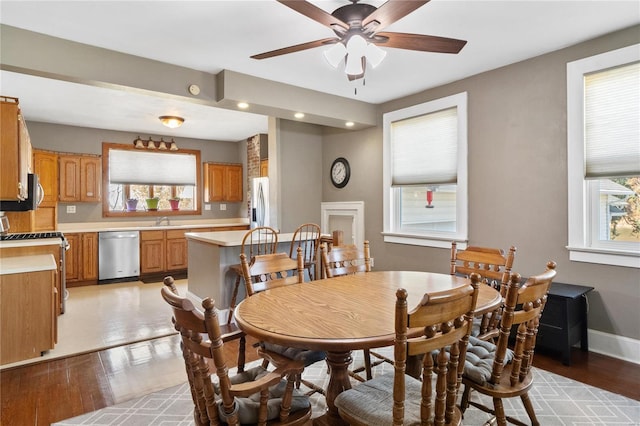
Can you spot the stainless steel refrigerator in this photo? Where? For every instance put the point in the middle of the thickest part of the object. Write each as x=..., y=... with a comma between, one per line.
x=260, y=202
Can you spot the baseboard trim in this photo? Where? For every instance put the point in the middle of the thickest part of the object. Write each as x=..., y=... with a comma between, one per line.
x=619, y=347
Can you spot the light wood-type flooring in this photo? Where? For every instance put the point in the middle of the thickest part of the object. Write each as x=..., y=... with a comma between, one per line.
x=53, y=390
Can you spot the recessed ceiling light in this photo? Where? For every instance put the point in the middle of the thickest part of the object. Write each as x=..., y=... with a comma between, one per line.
x=349, y=123
x=299, y=115
x=243, y=105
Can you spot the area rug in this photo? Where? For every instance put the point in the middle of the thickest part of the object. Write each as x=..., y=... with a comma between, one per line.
x=556, y=399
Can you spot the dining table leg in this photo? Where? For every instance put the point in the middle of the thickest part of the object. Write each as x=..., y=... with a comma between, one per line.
x=338, y=381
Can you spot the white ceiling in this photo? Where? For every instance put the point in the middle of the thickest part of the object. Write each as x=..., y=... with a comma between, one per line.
x=211, y=36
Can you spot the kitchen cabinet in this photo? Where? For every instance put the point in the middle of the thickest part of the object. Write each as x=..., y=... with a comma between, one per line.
x=264, y=168
x=15, y=157
x=152, y=252
x=177, y=258
x=80, y=178
x=28, y=323
x=223, y=182
x=81, y=260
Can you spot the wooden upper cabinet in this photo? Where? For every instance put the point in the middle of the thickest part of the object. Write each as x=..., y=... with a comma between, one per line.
x=222, y=182
x=46, y=167
x=15, y=159
x=264, y=168
x=80, y=178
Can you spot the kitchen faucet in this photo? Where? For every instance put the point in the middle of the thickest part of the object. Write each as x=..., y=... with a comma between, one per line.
x=162, y=219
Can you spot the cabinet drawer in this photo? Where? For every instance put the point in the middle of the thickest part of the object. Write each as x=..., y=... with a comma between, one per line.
x=151, y=235
x=176, y=233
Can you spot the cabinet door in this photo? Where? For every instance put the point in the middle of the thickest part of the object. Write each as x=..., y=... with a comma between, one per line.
x=177, y=254
x=69, y=178
x=46, y=167
x=264, y=168
x=45, y=218
x=152, y=256
x=90, y=179
x=90, y=256
x=10, y=158
x=214, y=182
x=72, y=257
x=233, y=183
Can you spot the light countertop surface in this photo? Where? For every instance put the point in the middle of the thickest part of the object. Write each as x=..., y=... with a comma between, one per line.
x=228, y=238
x=149, y=225
x=24, y=264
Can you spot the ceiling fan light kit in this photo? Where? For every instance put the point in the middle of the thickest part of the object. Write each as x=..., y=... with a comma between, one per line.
x=358, y=27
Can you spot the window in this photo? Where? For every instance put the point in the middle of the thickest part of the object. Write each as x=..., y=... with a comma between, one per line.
x=425, y=173
x=139, y=175
x=603, y=147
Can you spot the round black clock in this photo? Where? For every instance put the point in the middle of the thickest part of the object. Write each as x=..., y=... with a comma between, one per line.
x=340, y=172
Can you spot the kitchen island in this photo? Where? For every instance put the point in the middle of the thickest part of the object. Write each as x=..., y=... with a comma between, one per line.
x=210, y=256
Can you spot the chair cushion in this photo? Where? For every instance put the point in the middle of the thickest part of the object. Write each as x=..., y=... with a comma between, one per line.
x=307, y=356
x=247, y=408
x=371, y=402
x=479, y=362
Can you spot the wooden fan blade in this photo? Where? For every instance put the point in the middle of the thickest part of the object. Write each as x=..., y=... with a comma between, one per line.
x=424, y=43
x=310, y=11
x=390, y=12
x=296, y=48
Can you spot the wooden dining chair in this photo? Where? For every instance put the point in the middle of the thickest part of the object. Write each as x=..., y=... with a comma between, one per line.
x=344, y=260
x=503, y=370
x=307, y=236
x=269, y=271
x=495, y=268
x=255, y=396
x=437, y=330
x=257, y=241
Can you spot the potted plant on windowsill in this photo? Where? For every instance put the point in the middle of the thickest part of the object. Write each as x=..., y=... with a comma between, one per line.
x=132, y=204
x=152, y=203
x=175, y=203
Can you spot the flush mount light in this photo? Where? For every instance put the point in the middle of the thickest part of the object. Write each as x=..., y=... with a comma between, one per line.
x=243, y=105
x=349, y=124
x=298, y=115
x=171, y=121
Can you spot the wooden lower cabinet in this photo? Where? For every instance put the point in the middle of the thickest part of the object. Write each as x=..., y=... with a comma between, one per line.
x=81, y=260
x=28, y=323
x=152, y=252
x=177, y=258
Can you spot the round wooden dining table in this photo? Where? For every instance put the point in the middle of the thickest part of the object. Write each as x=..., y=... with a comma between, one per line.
x=341, y=314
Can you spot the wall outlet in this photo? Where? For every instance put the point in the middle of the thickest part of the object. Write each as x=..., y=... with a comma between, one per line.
x=207, y=206
x=71, y=209
x=223, y=206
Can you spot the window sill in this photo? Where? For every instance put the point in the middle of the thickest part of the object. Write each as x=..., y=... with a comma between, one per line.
x=422, y=240
x=604, y=257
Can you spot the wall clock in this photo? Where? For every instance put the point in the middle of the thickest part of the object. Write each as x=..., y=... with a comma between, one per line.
x=340, y=172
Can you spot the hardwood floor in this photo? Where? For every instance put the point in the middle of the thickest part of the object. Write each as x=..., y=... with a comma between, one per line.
x=47, y=392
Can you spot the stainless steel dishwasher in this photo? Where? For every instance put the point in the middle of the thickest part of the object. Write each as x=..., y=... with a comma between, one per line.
x=118, y=254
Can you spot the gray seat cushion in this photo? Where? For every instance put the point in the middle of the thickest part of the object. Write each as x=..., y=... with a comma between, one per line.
x=247, y=408
x=371, y=402
x=479, y=361
x=307, y=356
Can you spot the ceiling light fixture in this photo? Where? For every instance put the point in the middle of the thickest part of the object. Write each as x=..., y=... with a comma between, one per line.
x=243, y=105
x=357, y=53
x=298, y=115
x=171, y=121
x=349, y=124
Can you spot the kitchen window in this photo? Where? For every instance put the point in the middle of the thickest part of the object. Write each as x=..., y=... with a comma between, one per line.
x=139, y=174
x=425, y=173
x=603, y=147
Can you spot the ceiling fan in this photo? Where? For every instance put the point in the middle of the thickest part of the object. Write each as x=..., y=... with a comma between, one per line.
x=358, y=27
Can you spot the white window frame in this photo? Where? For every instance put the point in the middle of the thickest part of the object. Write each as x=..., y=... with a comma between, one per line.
x=580, y=209
x=391, y=219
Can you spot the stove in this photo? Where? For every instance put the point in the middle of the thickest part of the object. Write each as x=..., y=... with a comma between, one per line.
x=31, y=236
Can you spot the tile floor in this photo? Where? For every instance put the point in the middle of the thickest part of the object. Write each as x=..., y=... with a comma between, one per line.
x=110, y=315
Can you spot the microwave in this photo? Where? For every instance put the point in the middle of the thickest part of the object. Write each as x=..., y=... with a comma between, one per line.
x=34, y=197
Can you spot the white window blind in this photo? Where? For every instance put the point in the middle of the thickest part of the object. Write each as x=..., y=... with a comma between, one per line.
x=151, y=168
x=425, y=149
x=612, y=122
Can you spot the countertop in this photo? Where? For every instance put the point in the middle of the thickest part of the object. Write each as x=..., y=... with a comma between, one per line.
x=228, y=238
x=24, y=264
x=149, y=225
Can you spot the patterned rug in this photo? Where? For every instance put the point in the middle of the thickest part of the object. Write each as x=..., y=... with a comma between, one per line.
x=556, y=399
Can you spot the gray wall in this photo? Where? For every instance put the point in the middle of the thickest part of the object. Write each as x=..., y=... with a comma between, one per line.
x=84, y=140
x=300, y=168
x=517, y=179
